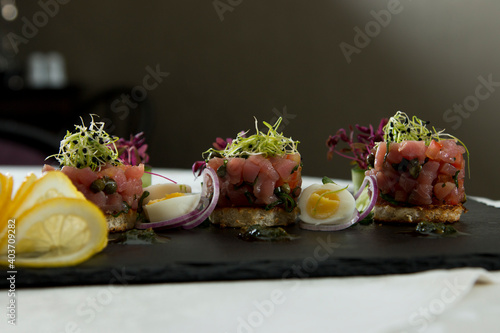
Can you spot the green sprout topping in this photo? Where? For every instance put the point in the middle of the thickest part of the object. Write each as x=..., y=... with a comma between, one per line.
x=88, y=147
x=401, y=128
x=267, y=144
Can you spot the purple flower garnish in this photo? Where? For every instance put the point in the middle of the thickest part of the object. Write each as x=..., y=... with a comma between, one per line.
x=198, y=168
x=359, y=145
x=221, y=144
x=133, y=152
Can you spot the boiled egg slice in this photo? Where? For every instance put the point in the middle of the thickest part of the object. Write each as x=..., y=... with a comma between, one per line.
x=169, y=201
x=326, y=204
x=158, y=191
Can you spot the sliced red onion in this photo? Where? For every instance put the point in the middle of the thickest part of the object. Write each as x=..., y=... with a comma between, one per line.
x=210, y=199
x=356, y=216
x=172, y=223
x=373, y=188
x=205, y=207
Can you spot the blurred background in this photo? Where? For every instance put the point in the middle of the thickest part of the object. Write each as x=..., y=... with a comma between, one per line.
x=186, y=72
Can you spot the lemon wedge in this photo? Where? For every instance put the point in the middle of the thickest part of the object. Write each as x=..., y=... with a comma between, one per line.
x=59, y=232
x=6, y=183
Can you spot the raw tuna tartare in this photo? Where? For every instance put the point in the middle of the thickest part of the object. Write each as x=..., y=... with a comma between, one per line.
x=89, y=158
x=259, y=178
x=256, y=180
x=418, y=180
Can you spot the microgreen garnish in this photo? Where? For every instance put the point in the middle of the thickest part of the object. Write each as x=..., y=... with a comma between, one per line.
x=133, y=151
x=88, y=147
x=401, y=128
x=267, y=144
x=359, y=144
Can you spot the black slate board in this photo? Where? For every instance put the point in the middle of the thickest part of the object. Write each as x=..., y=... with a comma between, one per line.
x=210, y=253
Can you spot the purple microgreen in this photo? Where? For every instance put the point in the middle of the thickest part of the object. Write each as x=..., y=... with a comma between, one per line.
x=158, y=175
x=357, y=150
x=133, y=151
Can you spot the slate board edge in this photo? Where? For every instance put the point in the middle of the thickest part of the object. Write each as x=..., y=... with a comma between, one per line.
x=193, y=272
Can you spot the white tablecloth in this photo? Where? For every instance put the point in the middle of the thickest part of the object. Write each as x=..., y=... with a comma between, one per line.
x=458, y=300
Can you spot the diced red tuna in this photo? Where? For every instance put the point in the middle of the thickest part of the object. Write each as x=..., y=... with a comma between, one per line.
x=251, y=169
x=447, y=169
x=238, y=196
x=422, y=195
x=234, y=168
x=442, y=190
x=215, y=163
x=413, y=149
x=394, y=155
x=428, y=173
x=128, y=185
x=283, y=166
x=454, y=198
x=433, y=150
x=439, y=164
x=407, y=182
x=134, y=171
x=252, y=181
x=380, y=155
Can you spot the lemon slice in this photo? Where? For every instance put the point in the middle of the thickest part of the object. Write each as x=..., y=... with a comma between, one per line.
x=59, y=232
x=35, y=190
x=28, y=181
x=6, y=183
x=51, y=184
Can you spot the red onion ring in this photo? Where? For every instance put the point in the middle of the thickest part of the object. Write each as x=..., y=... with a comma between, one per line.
x=356, y=216
x=204, y=214
x=373, y=189
x=205, y=207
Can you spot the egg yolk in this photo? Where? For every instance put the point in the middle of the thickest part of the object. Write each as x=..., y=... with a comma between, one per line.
x=322, y=204
x=167, y=196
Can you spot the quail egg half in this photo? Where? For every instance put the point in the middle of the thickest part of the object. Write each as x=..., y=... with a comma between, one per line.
x=169, y=201
x=326, y=204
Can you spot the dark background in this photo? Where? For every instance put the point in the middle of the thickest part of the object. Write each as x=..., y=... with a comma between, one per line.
x=264, y=57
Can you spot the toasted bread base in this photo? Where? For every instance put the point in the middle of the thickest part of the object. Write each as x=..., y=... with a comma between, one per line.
x=122, y=222
x=237, y=217
x=415, y=214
